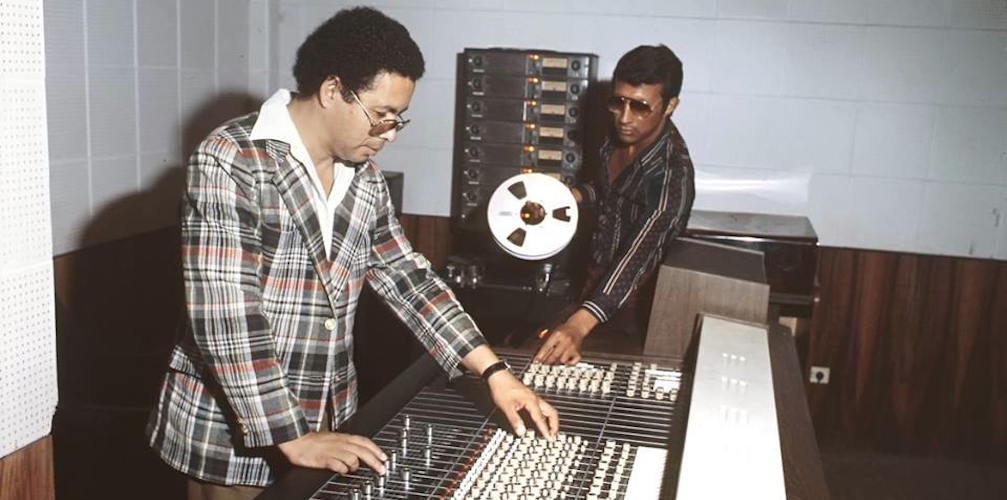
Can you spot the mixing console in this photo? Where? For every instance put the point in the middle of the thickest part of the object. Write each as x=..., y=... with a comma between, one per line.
x=616, y=420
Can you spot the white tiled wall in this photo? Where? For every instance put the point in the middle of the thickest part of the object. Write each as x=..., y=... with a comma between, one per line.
x=890, y=116
x=125, y=81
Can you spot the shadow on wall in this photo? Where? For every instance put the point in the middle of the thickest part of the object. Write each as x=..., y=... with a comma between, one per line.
x=118, y=305
x=157, y=205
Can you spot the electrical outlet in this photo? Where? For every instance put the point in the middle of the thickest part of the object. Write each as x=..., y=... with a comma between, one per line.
x=819, y=375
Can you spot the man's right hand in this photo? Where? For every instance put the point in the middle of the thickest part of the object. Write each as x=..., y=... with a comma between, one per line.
x=340, y=453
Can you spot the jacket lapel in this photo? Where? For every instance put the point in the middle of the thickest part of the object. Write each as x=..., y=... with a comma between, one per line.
x=348, y=227
x=293, y=185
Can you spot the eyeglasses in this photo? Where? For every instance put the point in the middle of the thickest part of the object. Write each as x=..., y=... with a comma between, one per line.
x=639, y=109
x=380, y=127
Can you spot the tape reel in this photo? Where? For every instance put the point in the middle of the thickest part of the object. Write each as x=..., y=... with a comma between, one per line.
x=532, y=216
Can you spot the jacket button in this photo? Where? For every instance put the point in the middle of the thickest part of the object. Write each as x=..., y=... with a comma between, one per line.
x=330, y=324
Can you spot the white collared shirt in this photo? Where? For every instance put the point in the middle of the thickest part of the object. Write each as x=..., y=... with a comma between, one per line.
x=274, y=123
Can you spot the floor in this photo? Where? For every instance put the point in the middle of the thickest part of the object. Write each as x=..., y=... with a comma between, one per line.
x=864, y=475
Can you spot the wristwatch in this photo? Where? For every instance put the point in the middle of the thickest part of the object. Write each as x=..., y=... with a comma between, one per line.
x=495, y=367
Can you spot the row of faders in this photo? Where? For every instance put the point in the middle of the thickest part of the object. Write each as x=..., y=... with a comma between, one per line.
x=653, y=383
x=523, y=468
x=582, y=378
x=586, y=379
x=522, y=113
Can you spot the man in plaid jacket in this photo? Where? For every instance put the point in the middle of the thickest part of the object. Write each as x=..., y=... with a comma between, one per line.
x=285, y=218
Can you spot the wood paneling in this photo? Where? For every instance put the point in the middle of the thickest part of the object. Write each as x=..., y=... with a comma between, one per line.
x=122, y=303
x=430, y=235
x=27, y=474
x=917, y=347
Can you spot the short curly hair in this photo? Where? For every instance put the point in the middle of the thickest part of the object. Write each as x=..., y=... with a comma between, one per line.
x=356, y=45
x=651, y=64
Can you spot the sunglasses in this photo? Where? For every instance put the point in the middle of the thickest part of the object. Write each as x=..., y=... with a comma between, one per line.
x=382, y=126
x=639, y=109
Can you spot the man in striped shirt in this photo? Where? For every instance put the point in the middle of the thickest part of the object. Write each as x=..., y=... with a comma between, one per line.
x=643, y=192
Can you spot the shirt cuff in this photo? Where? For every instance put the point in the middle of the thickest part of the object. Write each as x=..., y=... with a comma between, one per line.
x=595, y=311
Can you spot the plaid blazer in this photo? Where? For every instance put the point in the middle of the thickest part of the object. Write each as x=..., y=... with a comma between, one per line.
x=269, y=336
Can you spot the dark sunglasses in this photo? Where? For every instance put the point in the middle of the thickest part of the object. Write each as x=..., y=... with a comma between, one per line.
x=640, y=109
x=380, y=127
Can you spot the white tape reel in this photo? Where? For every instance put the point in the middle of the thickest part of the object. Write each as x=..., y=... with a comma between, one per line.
x=532, y=216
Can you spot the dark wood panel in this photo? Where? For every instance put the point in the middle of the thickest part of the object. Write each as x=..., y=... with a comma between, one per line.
x=122, y=303
x=430, y=235
x=917, y=347
x=27, y=474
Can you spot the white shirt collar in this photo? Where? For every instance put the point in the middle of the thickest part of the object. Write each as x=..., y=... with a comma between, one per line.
x=274, y=123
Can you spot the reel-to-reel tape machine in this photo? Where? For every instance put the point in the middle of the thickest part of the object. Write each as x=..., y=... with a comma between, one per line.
x=519, y=147
x=520, y=111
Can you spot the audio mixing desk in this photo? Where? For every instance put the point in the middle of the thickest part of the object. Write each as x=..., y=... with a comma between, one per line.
x=623, y=431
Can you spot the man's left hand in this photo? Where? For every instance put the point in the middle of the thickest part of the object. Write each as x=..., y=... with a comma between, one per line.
x=562, y=345
x=511, y=396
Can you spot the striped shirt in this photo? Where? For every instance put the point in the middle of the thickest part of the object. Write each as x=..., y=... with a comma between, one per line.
x=639, y=214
